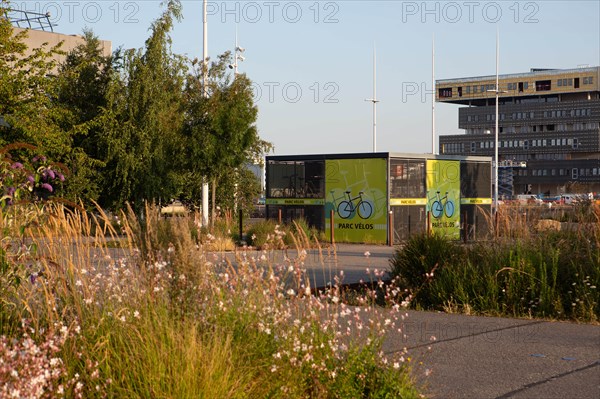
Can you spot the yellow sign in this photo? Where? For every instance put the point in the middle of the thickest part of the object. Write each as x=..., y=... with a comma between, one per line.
x=295, y=201
x=476, y=201
x=443, y=197
x=407, y=201
x=356, y=193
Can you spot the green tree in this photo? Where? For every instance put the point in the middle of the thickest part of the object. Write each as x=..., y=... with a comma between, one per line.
x=83, y=83
x=28, y=111
x=143, y=119
x=220, y=131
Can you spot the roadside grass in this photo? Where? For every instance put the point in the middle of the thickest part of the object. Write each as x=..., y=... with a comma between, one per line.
x=159, y=316
x=522, y=273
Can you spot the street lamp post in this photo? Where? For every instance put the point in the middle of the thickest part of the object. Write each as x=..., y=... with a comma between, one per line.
x=497, y=91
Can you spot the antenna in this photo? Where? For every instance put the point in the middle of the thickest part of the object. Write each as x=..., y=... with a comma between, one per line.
x=237, y=56
x=374, y=100
x=433, y=94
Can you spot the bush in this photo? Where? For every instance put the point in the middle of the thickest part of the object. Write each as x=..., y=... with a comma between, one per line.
x=422, y=257
x=554, y=274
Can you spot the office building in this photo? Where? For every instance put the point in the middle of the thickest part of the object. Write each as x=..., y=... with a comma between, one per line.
x=549, y=128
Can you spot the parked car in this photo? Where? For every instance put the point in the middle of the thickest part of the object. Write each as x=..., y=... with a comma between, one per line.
x=175, y=208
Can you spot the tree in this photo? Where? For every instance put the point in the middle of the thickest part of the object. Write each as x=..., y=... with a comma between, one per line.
x=27, y=107
x=143, y=119
x=83, y=83
x=220, y=131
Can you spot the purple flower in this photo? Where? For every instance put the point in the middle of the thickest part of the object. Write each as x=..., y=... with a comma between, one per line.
x=17, y=165
x=61, y=177
x=51, y=173
x=31, y=179
x=10, y=191
x=47, y=187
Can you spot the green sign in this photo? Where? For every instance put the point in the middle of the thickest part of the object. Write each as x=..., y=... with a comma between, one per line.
x=443, y=197
x=294, y=201
x=356, y=193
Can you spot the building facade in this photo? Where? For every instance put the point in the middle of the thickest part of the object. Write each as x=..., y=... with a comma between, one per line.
x=381, y=197
x=549, y=128
x=40, y=33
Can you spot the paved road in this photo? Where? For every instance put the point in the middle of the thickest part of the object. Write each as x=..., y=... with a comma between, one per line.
x=322, y=265
x=476, y=357
x=489, y=357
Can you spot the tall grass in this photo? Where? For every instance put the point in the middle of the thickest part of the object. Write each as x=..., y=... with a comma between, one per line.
x=524, y=272
x=161, y=317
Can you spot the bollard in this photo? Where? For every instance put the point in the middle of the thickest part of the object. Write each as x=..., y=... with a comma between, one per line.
x=279, y=216
x=465, y=225
x=391, y=229
x=429, y=224
x=331, y=227
x=240, y=215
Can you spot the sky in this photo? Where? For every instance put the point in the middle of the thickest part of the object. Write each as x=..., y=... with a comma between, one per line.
x=311, y=62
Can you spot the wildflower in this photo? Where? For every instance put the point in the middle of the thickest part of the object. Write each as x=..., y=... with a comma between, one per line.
x=47, y=186
x=396, y=365
x=122, y=318
x=17, y=165
x=136, y=314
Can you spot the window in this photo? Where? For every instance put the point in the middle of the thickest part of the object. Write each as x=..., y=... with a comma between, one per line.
x=526, y=85
x=445, y=93
x=468, y=89
x=585, y=80
x=575, y=143
x=559, y=83
x=541, y=85
x=473, y=144
x=574, y=173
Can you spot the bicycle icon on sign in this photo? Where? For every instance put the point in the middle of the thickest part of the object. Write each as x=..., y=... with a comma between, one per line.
x=442, y=206
x=347, y=208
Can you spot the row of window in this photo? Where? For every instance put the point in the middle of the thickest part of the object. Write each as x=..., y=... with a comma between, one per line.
x=587, y=80
x=574, y=172
x=579, y=112
x=540, y=85
x=525, y=144
x=564, y=113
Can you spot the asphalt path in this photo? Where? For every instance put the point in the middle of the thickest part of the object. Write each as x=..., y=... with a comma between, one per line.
x=460, y=356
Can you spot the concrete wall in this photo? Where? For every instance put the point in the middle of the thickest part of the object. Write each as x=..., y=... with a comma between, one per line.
x=36, y=38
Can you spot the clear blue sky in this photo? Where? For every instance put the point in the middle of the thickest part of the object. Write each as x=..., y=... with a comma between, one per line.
x=312, y=62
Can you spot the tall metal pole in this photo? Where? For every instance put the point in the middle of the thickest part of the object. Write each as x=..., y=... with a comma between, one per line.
x=433, y=95
x=374, y=100
x=496, y=132
x=205, y=212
